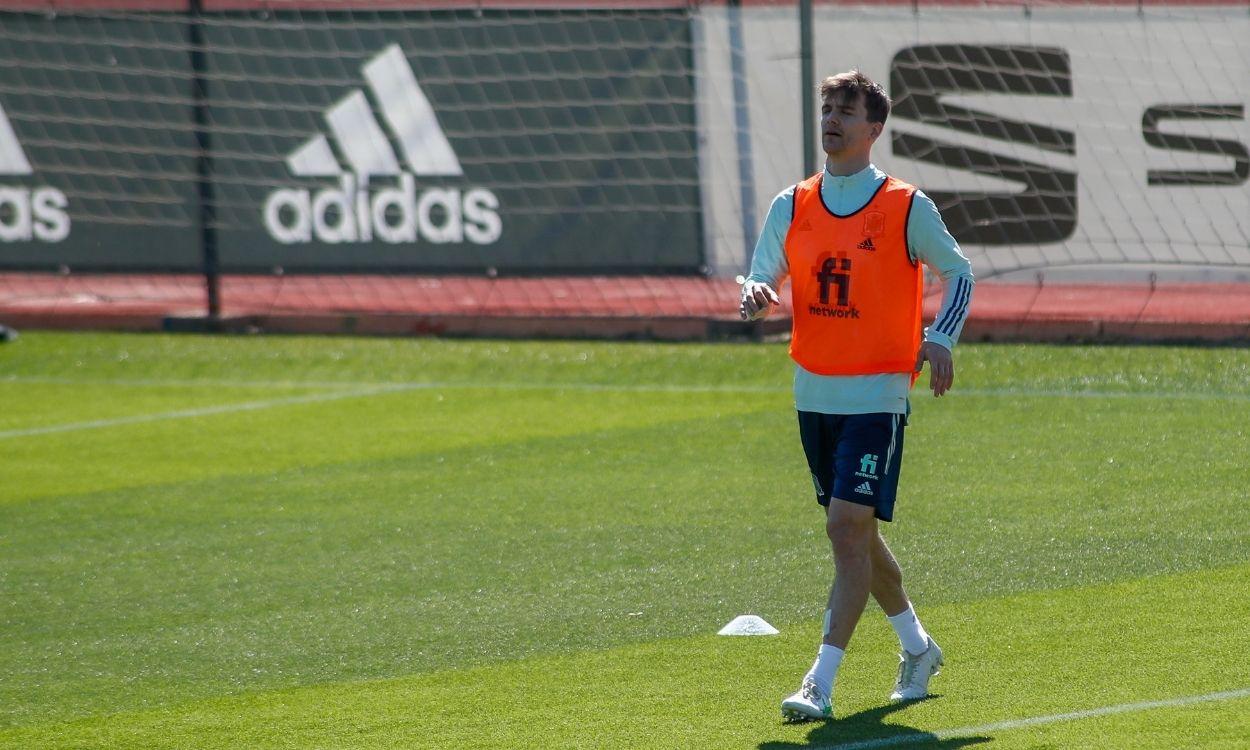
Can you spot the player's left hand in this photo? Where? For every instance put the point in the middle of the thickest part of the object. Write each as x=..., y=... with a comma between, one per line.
x=941, y=366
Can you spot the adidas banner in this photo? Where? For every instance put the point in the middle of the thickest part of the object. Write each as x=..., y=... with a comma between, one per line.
x=93, y=176
x=423, y=141
x=461, y=151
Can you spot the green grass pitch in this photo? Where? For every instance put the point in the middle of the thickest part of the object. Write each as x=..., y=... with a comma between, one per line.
x=211, y=542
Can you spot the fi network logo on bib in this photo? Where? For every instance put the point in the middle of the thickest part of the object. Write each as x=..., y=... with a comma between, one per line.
x=406, y=142
x=26, y=213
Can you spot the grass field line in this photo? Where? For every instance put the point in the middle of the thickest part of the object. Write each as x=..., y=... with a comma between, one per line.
x=606, y=387
x=1031, y=721
x=311, y=398
x=190, y=382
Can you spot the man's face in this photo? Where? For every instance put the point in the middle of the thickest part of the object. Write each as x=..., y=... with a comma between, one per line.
x=844, y=126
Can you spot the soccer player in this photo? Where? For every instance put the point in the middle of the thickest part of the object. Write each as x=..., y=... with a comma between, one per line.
x=852, y=239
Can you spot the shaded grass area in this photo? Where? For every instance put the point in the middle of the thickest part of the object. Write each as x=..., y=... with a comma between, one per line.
x=491, y=519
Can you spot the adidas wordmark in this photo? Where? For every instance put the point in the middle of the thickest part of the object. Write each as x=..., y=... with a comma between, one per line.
x=350, y=211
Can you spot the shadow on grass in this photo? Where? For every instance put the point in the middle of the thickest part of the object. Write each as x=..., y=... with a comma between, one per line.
x=866, y=731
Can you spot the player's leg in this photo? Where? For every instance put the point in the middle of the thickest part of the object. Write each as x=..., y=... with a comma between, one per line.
x=868, y=445
x=868, y=466
x=914, y=668
x=813, y=700
x=887, y=589
x=919, y=656
x=887, y=579
x=874, y=462
x=852, y=529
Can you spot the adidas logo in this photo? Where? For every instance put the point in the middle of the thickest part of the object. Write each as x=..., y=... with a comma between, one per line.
x=866, y=244
x=12, y=158
x=350, y=211
x=805, y=226
x=864, y=489
x=27, y=214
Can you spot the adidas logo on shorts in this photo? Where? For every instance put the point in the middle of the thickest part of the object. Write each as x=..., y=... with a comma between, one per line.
x=864, y=489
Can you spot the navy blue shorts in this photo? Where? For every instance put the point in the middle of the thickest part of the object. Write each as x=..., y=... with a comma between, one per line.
x=854, y=457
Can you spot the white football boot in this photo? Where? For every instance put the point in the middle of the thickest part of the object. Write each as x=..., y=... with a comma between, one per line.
x=914, y=671
x=807, y=704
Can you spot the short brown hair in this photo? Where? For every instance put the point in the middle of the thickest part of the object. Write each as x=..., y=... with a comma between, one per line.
x=854, y=85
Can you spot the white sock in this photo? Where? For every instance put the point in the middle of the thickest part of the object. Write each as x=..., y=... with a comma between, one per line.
x=825, y=669
x=911, y=634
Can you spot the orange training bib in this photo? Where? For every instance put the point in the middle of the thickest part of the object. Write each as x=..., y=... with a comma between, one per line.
x=857, y=294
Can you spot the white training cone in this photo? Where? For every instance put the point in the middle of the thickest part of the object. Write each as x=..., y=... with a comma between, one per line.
x=748, y=625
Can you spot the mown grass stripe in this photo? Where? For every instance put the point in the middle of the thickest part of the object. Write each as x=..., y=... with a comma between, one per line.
x=200, y=412
x=181, y=382
x=1002, y=726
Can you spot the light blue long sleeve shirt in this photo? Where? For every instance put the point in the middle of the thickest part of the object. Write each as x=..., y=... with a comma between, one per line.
x=928, y=241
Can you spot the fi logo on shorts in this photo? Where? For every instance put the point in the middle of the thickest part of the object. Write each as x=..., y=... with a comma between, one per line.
x=867, y=466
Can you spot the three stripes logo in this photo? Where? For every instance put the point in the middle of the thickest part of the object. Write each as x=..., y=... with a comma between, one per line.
x=864, y=489
x=866, y=244
x=406, y=142
x=1045, y=208
x=955, y=315
x=27, y=214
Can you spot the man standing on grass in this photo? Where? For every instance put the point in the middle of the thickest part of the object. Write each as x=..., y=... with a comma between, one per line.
x=852, y=239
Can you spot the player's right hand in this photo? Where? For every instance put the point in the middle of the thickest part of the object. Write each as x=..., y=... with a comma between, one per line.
x=757, y=297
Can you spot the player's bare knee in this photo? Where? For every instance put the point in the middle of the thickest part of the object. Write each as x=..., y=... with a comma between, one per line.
x=850, y=536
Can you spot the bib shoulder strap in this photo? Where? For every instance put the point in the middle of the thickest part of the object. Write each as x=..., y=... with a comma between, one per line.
x=895, y=185
x=806, y=191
